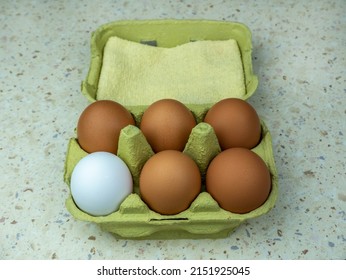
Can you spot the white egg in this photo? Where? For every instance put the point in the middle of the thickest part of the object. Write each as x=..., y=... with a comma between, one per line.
x=100, y=182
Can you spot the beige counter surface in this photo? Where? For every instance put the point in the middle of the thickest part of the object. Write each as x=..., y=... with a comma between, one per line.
x=299, y=57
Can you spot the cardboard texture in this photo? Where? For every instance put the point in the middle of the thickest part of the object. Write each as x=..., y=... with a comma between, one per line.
x=196, y=72
x=204, y=218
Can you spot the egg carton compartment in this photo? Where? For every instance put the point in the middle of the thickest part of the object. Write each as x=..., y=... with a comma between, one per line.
x=204, y=218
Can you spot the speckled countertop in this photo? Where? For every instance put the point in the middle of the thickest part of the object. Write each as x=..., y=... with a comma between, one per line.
x=299, y=57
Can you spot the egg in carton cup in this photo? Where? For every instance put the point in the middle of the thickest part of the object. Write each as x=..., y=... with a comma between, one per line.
x=200, y=63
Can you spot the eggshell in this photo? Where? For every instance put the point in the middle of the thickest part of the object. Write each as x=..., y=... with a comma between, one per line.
x=100, y=182
x=167, y=124
x=239, y=180
x=99, y=126
x=235, y=123
x=169, y=182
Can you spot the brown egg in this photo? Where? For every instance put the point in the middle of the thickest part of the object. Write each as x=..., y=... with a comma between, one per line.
x=100, y=124
x=169, y=182
x=167, y=124
x=235, y=122
x=239, y=180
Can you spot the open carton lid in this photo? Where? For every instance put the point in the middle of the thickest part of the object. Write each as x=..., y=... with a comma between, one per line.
x=169, y=34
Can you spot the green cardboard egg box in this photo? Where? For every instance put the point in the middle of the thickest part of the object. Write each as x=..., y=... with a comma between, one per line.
x=204, y=218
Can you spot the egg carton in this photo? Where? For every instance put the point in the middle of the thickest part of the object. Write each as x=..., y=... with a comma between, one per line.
x=204, y=218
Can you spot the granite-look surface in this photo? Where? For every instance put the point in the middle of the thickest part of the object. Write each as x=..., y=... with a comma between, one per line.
x=299, y=57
